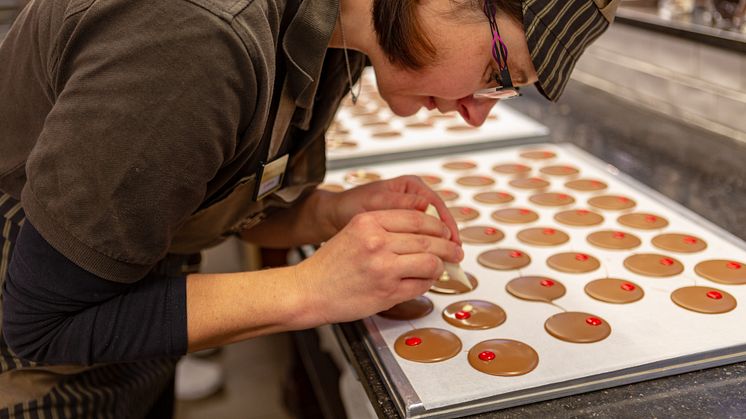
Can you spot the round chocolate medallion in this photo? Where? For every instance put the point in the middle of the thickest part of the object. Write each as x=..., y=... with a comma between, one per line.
x=577, y=327
x=538, y=154
x=480, y=235
x=613, y=290
x=504, y=259
x=461, y=214
x=361, y=177
x=529, y=183
x=559, y=170
x=579, y=218
x=543, y=236
x=535, y=288
x=446, y=285
x=722, y=271
x=427, y=345
x=612, y=202
x=704, y=300
x=586, y=185
x=431, y=180
x=447, y=194
x=551, y=199
x=683, y=243
x=459, y=165
x=615, y=240
x=651, y=264
x=475, y=181
x=511, y=169
x=642, y=220
x=474, y=314
x=573, y=263
x=503, y=357
x=409, y=310
x=493, y=197
x=515, y=216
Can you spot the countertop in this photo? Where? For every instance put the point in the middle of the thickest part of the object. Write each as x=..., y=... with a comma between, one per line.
x=703, y=171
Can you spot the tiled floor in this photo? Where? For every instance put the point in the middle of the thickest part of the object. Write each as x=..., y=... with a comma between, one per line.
x=254, y=372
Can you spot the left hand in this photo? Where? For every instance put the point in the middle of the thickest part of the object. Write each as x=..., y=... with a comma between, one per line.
x=404, y=192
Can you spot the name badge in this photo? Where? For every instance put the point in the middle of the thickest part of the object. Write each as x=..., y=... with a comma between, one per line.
x=270, y=177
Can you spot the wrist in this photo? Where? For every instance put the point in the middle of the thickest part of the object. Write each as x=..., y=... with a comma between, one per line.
x=326, y=213
x=307, y=309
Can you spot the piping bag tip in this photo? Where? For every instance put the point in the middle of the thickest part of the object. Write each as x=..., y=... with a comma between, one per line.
x=454, y=269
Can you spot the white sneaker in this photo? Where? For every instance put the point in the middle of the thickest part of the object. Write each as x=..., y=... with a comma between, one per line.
x=197, y=378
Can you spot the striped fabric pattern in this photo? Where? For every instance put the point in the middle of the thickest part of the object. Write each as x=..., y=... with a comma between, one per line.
x=126, y=390
x=557, y=33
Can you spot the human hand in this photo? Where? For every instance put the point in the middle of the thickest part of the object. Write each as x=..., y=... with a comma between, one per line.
x=404, y=192
x=379, y=259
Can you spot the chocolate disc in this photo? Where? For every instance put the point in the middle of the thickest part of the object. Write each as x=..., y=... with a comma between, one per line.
x=446, y=285
x=375, y=123
x=460, y=127
x=503, y=259
x=559, y=170
x=477, y=181
x=409, y=310
x=535, y=288
x=704, y=300
x=551, y=199
x=573, y=263
x=361, y=177
x=543, y=236
x=529, y=183
x=515, y=216
x=577, y=327
x=463, y=213
x=642, y=220
x=474, y=314
x=579, y=218
x=722, y=271
x=428, y=345
x=612, y=202
x=430, y=180
x=684, y=243
x=538, y=154
x=586, y=185
x=616, y=240
x=447, y=194
x=493, y=197
x=613, y=290
x=419, y=124
x=331, y=187
x=363, y=110
x=480, y=235
x=386, y=134
x=459, y=165
x=503, y=357
x=511, y=169
x=651, y=264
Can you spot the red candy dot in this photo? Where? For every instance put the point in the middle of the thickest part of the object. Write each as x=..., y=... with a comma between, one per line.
x=515, y=254
x=628, y=287
x=413, y=341
x=490, y=231
x=487, y=356
x=581, y=257
x=583, y=212
x=619, y=235
x=690, y=240
x=651, y=218
x=593, y=321
x=524, y=211
x=462, y=315
x=667, y=261
x=714, y=295
x=734, y=265
x=623, y=199
x=549, y=231
x=596, y=183
x=465, y=210
x=563, y=196
x=546, y=283
x=503, y=195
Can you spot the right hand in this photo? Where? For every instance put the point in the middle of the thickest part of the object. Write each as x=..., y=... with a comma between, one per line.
x=379, y=259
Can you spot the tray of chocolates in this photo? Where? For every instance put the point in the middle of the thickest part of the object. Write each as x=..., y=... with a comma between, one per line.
x=579, y=278
x=368, y=132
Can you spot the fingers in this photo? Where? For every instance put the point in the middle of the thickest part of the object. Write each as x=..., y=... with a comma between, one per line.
x=403, y=244
x=413, y=288
x=408, y=221
x=397, y=200
x=418, y=266
x=414, y=185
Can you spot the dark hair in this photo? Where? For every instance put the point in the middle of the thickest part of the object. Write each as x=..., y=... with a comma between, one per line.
x=400, y=34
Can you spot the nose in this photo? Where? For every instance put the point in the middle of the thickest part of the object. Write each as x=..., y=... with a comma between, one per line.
x=474, y=111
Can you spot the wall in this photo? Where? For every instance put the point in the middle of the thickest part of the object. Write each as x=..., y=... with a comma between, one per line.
x=700, y=84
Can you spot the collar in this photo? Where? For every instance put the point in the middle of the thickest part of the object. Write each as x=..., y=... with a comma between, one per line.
x=305, y=43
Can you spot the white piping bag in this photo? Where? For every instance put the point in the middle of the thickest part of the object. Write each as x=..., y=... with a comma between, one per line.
x=453, y=269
